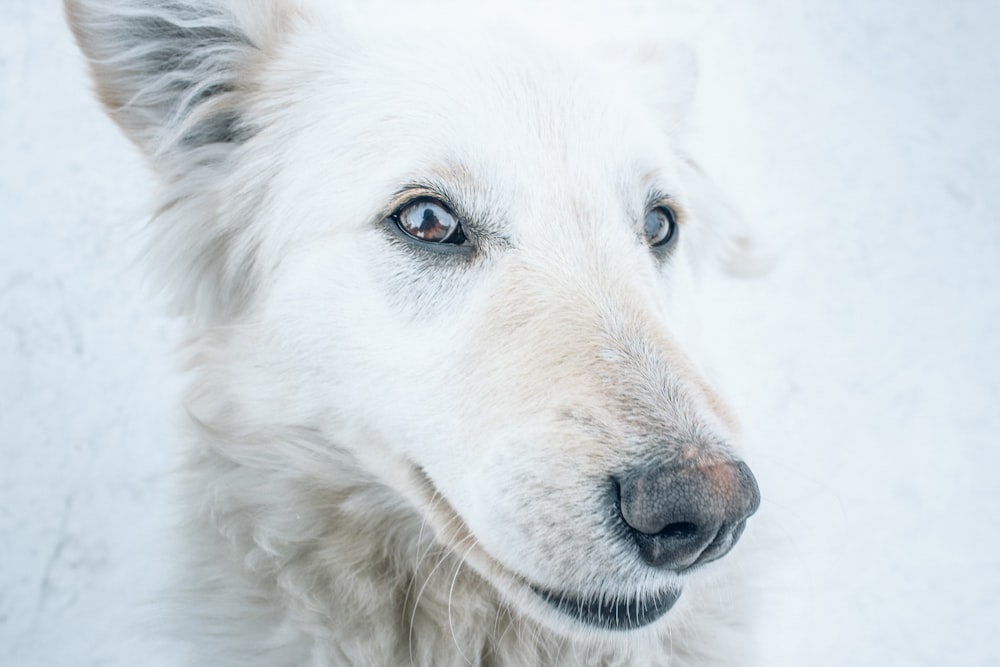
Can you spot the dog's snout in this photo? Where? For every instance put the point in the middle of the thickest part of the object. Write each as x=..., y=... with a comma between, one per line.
x=684, y=515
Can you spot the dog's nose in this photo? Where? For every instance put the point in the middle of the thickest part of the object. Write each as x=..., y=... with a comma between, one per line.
x=685, y=515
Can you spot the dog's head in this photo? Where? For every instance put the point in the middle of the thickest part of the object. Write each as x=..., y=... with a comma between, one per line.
x=459, y=259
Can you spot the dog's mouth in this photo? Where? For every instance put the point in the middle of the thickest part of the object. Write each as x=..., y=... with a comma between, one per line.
x=615, y=613
x=601, y=611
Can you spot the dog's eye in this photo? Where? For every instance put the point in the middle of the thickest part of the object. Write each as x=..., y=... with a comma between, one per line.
x=660, y=226
x=428, y=220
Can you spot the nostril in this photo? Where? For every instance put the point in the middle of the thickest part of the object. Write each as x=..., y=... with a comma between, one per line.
x=680, y=530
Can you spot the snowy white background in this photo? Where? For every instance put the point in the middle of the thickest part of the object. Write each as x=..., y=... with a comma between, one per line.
x=863, y=138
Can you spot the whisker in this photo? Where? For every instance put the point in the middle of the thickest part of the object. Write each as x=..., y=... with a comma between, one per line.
x=446, y=552
x=451, y=593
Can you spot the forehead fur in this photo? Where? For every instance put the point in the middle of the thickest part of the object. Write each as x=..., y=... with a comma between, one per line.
x=474, y=107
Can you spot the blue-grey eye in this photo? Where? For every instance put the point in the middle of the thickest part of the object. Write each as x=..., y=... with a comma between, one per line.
x=429, y=220
x=660, y=226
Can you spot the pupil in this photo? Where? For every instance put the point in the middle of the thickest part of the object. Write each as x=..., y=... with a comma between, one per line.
x=429, y=221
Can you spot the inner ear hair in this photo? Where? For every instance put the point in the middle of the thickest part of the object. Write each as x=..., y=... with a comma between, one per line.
x=171, y=73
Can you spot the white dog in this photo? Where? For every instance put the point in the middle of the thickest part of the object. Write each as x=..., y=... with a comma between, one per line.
x=444, y=410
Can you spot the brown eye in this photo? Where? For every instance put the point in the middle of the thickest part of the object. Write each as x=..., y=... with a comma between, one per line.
x=660, y=226
x=428, y=220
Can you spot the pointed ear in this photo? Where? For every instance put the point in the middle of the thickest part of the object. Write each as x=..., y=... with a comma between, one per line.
x=180, y=78
x=174, y=73
x=664, y=73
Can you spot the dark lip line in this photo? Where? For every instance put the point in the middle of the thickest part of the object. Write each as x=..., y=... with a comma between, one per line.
x=616, y=613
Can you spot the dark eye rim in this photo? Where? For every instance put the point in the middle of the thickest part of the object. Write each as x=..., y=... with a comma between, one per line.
x=670, y=213
x=458, y=240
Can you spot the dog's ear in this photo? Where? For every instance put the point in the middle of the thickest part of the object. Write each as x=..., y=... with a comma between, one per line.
x=664, y=73
x=172, y=73
x=180, y=77
x=671, y=70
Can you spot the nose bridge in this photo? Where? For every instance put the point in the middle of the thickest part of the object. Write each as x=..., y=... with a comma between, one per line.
x=581, y=323
x=661, y=384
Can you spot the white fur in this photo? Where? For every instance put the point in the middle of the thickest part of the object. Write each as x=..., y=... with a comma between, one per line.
x=388, y=443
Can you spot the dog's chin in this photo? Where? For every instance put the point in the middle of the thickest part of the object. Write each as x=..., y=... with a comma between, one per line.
x=615, y=613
